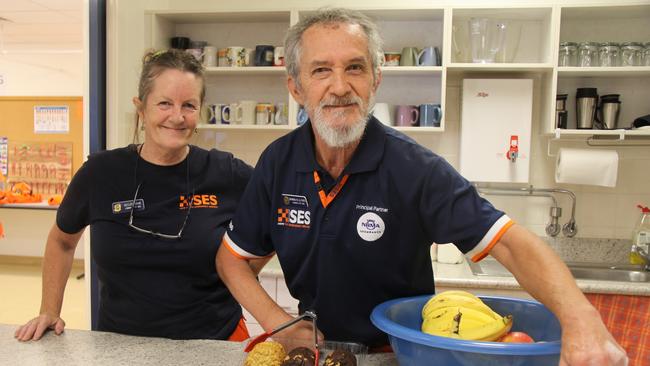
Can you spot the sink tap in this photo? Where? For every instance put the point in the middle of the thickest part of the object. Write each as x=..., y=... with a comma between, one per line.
x=643, y=253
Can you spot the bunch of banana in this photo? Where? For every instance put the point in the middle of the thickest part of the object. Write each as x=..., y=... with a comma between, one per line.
x=459, y=314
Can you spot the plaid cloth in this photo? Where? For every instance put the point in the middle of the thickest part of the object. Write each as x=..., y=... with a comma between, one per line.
x=628, y=319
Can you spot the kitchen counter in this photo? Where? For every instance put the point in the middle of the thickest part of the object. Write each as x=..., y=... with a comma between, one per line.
x=461, y=276
x=80, y=347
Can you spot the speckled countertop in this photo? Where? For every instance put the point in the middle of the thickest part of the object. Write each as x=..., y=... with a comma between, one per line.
x=573, y=250
x=80, y=347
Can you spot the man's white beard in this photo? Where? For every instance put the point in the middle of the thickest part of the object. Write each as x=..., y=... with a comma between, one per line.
x=341, y=136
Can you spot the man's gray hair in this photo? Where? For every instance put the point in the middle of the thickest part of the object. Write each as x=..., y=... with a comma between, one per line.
x=293, y=39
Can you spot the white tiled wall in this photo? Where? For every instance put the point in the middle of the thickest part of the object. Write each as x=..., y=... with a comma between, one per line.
x=600, y=212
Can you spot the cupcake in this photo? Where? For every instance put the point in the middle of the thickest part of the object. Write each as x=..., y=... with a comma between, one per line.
x=266, y=354
x=301, y=356
x=341, y=357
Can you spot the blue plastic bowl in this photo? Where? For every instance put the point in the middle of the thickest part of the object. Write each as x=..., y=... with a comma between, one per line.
x=401, y=319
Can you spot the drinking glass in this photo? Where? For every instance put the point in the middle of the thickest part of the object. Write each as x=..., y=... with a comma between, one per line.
x=588, y=54
x=568, y=54
x=631, y=54
x=608, y=54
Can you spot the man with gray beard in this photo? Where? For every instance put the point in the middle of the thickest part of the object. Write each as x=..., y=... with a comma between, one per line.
x=351, y=207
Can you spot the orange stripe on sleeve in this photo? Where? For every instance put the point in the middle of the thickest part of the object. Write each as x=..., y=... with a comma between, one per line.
x=232, y=251
x=493, y=242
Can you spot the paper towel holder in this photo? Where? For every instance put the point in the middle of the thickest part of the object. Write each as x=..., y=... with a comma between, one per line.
x=591, y=139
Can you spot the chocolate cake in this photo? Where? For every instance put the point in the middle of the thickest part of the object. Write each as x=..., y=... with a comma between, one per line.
x=301, y=356
x=341, y=358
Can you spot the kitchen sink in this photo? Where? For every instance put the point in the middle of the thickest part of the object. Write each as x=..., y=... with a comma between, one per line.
x=580, y=270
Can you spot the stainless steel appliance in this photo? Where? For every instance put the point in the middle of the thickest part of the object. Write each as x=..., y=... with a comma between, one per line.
x=561, y=114
x=586, y=103
x=610, y=107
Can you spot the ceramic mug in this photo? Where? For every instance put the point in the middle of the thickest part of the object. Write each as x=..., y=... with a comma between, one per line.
x=282, y=114
x=249, y=57
x=215, y=113
x=196, y=52
x=243, y=112
x=264, y=55
x=302, y=117
x=225, y=114
x=209, y=56
x=222, y=57
x=264, y=114
x=236, y=56
x=407, y=115
x=392, y=58
x=430, y=115
x=181, y=43
x=409, y=56
x=382, y=113
x=428, y=57
x=278, y=56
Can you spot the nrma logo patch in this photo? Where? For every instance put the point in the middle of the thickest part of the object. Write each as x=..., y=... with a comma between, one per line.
x=300, y=219
x=370, y=226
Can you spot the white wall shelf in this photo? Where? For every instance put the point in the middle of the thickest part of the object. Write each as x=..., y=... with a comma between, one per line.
x=410, y=70
x=621, y=133
x=247, y=127
x=501, y=67
x=627, y=71
x=252, y=70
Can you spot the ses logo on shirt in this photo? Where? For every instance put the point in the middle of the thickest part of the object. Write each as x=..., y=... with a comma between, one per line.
x=290, y=217
x=199, y=201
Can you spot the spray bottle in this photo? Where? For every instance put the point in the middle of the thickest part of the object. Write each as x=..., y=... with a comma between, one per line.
x=641, y=238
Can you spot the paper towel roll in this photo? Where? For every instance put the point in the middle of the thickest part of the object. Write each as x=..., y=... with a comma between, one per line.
x=593, y=167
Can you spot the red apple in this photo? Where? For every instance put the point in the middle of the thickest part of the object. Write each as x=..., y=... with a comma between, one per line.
x=517, y=337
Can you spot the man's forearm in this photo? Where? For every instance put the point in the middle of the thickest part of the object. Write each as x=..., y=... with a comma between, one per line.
x=540, y=271
x=237, y=274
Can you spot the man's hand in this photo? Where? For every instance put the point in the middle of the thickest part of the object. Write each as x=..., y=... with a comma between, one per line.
x=586, y=341
x=303, y=331
x=35, y=328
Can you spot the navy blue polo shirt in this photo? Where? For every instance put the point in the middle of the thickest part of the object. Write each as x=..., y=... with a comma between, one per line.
x=371, y=243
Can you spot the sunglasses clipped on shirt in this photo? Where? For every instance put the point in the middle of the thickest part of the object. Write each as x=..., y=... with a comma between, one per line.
x=156, y=234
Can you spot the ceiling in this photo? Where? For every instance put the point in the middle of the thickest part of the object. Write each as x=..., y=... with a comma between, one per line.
x=35, y=25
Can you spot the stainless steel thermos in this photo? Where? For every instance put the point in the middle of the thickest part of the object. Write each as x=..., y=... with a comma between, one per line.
x=610, y=107
x=586, y=103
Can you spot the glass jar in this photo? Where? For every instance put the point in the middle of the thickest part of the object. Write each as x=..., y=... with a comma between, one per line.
x=588, y=54
x=646, y=54
x=568, y=54
x=608, y=54
x=631, y=54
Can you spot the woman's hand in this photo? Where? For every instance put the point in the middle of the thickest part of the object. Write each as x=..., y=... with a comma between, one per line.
x=35, y=328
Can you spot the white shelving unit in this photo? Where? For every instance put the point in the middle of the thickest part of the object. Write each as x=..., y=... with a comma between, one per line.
x=615, y=23
x=531, y=50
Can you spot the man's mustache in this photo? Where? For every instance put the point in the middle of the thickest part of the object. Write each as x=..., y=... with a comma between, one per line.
x=339, y=101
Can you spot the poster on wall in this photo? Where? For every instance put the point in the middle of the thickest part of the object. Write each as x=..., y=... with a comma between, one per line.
x=51, y=119
x=45, y=166
x=4, y=156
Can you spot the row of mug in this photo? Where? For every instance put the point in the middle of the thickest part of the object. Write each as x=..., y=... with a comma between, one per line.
x=413, y=56
x=236, y=56
x=248, y=112
x=424, y=115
